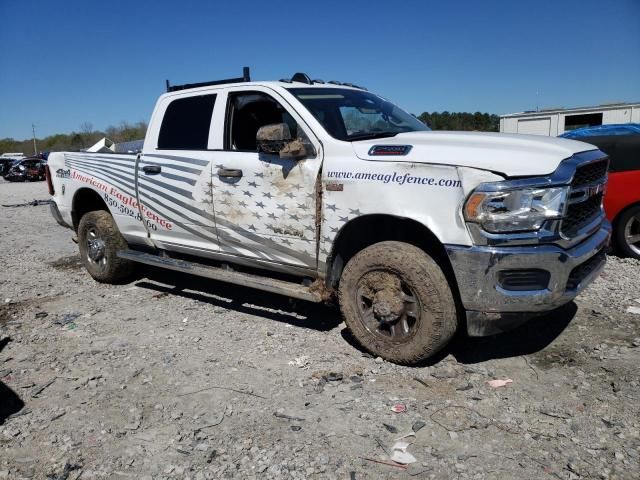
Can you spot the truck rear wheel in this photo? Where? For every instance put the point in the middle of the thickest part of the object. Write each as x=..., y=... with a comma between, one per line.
x=100, y=240
x=397, y=302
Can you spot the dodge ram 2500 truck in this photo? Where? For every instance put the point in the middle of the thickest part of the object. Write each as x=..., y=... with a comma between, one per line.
x=326, y=191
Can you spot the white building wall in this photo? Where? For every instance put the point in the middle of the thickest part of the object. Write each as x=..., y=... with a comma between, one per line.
x=623, y=114
x=508, y=125
x=554, y=125
x=560, y=124
x=616, y=116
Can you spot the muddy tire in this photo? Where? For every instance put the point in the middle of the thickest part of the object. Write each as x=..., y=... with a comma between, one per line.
x=627, y=232
x=99, y=240
x=397, y=302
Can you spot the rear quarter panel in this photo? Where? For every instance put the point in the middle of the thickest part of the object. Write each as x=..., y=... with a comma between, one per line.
x=111, y=176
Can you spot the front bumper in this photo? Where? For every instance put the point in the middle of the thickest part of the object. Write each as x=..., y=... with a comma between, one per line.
x=491, y=307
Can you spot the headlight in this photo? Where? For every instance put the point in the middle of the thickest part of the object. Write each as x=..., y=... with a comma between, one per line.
x=515, y=210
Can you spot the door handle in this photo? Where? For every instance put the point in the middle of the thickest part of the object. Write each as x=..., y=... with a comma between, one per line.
x=230, y=172
x=152, y=169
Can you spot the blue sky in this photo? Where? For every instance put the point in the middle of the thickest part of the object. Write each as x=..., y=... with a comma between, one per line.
x=66, y=62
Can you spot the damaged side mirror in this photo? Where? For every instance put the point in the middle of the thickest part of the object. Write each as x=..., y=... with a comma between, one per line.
x=276, y=139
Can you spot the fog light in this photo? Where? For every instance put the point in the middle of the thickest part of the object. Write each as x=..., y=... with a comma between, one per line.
x=522, y=280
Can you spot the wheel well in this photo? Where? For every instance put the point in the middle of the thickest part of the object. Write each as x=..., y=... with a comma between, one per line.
x=85, y=200
x=624, y=210
x=364, y=231
x=616, y=220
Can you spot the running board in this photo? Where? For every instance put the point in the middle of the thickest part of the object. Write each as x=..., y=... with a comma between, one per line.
x=239, y=278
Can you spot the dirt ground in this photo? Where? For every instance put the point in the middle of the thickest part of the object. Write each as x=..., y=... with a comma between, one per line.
x=176, y=377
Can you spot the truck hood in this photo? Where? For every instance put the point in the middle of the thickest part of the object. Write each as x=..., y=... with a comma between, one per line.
x=512, y=155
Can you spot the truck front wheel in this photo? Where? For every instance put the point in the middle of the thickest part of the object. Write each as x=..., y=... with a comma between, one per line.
x=100, y=240
x=397, y=302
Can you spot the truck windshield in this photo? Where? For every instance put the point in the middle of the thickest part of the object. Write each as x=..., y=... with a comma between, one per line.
x=352, y=115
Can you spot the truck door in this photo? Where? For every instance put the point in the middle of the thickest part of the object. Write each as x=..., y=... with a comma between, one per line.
x=265, y=205
x=173, y=180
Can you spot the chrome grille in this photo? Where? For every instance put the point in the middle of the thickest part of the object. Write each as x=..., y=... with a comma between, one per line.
x=585, y=197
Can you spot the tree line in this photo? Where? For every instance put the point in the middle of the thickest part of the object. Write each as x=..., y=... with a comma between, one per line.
x=78, y=140
x=86, y=135
x=481, y=122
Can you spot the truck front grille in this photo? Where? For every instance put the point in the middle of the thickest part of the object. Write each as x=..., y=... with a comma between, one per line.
x=580, y=214
x=587, y=203
x=590, y=173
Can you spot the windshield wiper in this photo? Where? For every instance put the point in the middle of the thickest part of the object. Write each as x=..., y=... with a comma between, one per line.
x=370, y=136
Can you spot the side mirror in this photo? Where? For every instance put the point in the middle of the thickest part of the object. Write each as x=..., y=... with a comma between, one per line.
x=272, y=138
x=276, y=139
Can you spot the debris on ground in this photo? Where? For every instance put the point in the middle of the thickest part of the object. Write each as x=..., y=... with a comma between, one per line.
x=38, y=390
x=66, y=471
x=66, y=318
x=417, y=425
x=382, y=462
x=399, y=453
x=390, y=428
x=499, y=383
x=399, y=408
x=300, y=362
x=287, y=417
x=33, y=203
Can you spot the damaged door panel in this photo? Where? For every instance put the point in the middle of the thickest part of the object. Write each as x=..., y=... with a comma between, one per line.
x=266, y=205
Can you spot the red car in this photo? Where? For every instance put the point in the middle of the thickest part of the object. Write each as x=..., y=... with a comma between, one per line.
x=622, y=199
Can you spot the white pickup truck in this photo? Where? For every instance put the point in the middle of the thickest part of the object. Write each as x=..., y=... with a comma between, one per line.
x=325, y=191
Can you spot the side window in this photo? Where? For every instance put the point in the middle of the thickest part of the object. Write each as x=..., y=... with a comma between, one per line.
x=248, y=112
x=186, y=123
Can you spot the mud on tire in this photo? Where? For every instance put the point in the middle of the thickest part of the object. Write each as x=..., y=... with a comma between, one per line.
x=397, y=302
x=99, y=240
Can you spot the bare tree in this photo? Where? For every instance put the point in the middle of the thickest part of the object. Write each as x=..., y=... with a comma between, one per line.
x=86, y=128
x=86, y=131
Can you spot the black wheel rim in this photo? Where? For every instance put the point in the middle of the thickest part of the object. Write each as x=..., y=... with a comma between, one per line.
x=388, y=306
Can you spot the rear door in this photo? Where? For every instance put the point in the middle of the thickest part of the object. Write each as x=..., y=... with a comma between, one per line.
x=266, y=207
x=173, y=174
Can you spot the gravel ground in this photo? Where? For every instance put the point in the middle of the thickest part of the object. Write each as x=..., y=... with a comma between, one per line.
x=176, y=377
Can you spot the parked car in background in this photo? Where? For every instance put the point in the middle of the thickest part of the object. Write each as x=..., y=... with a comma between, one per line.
x=8, y=159
x=622, y=199
x=5, y=164
x=27, y=170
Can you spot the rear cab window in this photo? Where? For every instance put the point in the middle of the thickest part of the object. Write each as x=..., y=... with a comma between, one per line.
x=186, y=123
